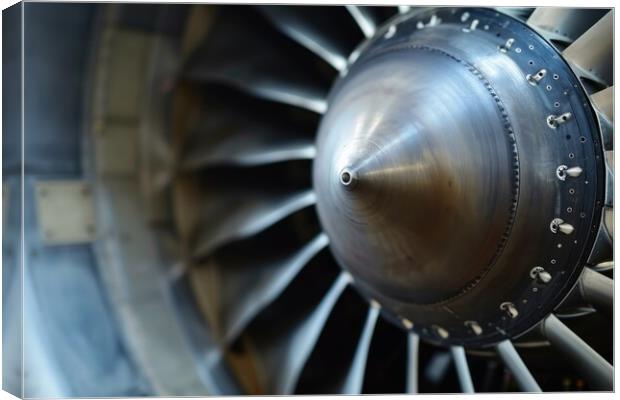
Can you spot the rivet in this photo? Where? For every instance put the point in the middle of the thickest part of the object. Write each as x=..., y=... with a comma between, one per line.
x=474, y=326
x=510, y=309
x=540, y=274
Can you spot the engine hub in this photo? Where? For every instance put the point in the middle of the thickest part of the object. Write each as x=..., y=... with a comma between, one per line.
x=441, y=174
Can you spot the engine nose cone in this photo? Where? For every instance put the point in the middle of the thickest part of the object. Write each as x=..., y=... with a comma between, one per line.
x=414, y=158
x=436, y=175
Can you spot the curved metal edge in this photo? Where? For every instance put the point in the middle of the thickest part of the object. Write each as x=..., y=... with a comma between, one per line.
x=132, y=267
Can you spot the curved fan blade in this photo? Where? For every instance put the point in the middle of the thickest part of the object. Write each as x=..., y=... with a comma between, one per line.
x=235, y=216
x=563, y=24
x=265, y=66
x=364, y=19
x=250, y=150
x=597, y=290
x=462, y=369
x=598, y=371
x=515, y=364
x=285, y=355
x=591, y=55
x=308, y=31
x=413, y=346
x=355, y=377
x=608, y=220
x=604, y=102
x=225, y=139
x=521, y=13
x=604, y=266
x=248, y=280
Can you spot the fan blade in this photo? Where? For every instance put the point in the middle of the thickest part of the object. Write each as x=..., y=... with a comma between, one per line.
x=240, y=52
x=306, y=97
x=597, y=290
x=247, y=285
x=564, y=24
x=355, y=377
x=462, y=369
x=594, y=367
x=608, y=220
x=515, y=364
x=521, y=13
x=232, y=217
x=294, y=23
x=604, y=102
x=219, y=137
x=242, y=148
x=591, y=55
x=604, y=266
x=286, y=356
x=413, y=346
x=363, y=19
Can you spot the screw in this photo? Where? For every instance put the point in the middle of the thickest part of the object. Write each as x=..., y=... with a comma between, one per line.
x=510, y=309
x=537, y=77
x=474, y=326
x=444, y=334
x=558, y=225
x=563, y=171
x=390, y=32
x=540, y=274
x=507, y=45
x=556, y=120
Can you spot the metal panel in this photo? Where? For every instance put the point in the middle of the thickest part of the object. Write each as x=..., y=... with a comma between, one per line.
x=65, y=212
x=116, y=148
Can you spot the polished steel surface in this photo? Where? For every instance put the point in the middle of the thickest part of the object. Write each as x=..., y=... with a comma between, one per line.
x=436, y=174
x=407, y=163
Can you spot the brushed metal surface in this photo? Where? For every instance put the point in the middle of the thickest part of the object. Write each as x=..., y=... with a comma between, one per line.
x=431, y=167
x=435, y=174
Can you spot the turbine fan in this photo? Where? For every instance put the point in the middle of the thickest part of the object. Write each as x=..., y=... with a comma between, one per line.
x=365, y=187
